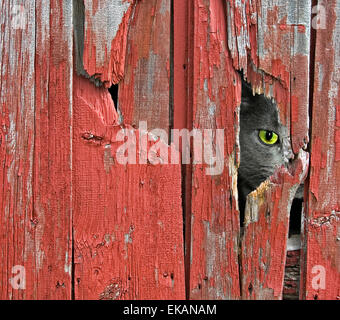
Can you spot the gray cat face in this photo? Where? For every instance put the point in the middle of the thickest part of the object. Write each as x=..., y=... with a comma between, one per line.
x=264, y=142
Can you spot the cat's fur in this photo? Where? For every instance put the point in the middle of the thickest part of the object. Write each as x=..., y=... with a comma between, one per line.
x=258, y=161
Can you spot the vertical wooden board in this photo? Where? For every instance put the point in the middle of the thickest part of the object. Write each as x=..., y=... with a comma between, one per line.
x=144, y=92
x=181, y=63
x=17, y=140
x=128, y=227
x=269, y=41
x=213, y=238
x=321, y=265
x=182, y=106
x=52, y=215
x=105, y=27
x=128, y=237
x=36, y=158
x=265, y=232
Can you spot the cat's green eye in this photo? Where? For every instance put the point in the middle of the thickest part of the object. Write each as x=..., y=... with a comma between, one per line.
x=268, y=137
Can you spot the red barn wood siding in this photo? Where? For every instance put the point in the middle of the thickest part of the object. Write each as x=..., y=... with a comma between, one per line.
x=269, y=40
x=48, y=193
x=266, y=231
x=182, y=108
x=36, y=131
x=213, y=239
x=259, y=46
x=85, y=226
x=144, y=92
x=322, y=222
x=128, y=239
x=17, y=136
x=128, y=228
x=105, y=33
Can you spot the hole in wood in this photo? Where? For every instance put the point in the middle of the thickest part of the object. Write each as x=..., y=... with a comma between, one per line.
x=113, y=90
x=264, y=143
x=291, y=286
x=265, y=146
x=295, y=217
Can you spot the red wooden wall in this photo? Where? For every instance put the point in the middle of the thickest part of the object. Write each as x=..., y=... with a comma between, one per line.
x=321, y=247
x=84, y=226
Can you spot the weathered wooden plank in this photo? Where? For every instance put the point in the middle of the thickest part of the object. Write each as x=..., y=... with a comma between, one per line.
x=270, y=41
x=144, y=92
x=182, y=107
x=52, y=215
x=214, y=221
x=128, y=226
x=321, y=250
x=105, y=27
x=181, y=64
x=35, y=149
x=265, y=233
x=128, y=230
x=17, y=135
x=127, y=221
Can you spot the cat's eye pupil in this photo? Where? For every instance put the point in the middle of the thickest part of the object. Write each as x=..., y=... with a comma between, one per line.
x=269, y=135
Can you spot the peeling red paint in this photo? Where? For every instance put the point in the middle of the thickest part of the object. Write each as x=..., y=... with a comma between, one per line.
x=213, y=219
x=35, y=196
x=127, y=218
x=337, y=145
x=275, y=66
x=147, y=55
x=64, y=193
x=322, y=223
x=266, y=231
x=111, y=69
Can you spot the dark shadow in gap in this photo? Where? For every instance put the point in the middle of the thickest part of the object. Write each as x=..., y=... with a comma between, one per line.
x=113, y=90
x=291, y=285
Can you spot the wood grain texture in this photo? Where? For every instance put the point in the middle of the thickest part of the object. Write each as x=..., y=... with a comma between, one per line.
x=265, y=232
x=17, y=136
x=53, y=157
x=105, y=37
x=322, y=222
x=182, y=107
x=214, y=221
x=85, y=226
x=144, y=92
x=181, y=65
x=128, y=224
x=51, y=168
x=270, y=42
x=128, y=227
x=36, y=124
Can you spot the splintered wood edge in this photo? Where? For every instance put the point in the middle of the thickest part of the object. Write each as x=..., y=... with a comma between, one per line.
x=256, y=198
